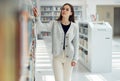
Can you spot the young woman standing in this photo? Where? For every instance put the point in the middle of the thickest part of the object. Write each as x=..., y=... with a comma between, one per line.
x=65, y=42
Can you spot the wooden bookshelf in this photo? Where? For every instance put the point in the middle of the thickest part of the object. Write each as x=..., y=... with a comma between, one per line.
x=17, y=43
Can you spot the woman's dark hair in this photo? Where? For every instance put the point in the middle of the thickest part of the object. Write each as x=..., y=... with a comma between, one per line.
x=71, y=18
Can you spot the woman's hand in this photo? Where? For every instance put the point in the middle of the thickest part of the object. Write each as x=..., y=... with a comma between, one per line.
x=35, y=12
x=73, y=63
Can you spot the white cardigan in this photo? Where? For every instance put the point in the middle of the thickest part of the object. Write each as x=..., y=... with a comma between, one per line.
x=71, y=38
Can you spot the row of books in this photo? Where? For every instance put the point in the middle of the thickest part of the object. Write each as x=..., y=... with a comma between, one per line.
x=84, y=42
x=58, y=8
x=83, y=30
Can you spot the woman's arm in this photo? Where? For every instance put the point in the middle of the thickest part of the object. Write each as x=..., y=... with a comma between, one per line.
x=41, y=26
x=76, y=45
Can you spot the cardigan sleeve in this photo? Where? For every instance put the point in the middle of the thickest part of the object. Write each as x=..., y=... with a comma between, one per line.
x=43, y=26
x=76, y=44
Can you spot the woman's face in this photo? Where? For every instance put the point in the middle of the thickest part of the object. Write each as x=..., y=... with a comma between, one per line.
x=66, y=11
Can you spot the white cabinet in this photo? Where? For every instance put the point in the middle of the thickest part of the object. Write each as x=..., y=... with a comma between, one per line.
x=96, y=46
x=52, y=12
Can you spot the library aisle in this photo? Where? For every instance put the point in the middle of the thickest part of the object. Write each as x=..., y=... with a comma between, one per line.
x=44, y=70
x=43, y=66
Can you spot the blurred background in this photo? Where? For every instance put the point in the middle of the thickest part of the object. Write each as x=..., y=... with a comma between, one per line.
x=18, y=33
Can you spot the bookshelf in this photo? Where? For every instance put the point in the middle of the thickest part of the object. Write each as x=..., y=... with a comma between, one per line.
x=52, y=12
x=17, y=42
x=8, y=49
x=95, y=49
x=28, y=42
x=9, y=42
x=46, y=13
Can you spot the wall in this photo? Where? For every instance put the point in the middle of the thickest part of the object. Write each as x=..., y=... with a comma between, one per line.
x=91, y=7
x=106, y=13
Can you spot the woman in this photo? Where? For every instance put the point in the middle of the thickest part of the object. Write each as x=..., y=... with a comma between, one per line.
x=65, y=42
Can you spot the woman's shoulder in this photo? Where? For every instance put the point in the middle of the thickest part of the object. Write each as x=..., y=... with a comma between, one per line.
x=75, y=24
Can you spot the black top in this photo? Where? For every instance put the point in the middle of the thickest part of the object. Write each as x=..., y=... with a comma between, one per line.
x=65, y=29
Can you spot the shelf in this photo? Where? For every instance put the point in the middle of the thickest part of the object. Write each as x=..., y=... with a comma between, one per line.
x=83, y=47
x=46, y=8
x=83, y=35
x=54, y=12
x=95, y=46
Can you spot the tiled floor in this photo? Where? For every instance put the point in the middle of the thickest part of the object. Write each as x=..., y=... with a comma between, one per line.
x=44, y=70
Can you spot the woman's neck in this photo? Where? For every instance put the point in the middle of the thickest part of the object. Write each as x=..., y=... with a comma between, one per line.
x=65, y=21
